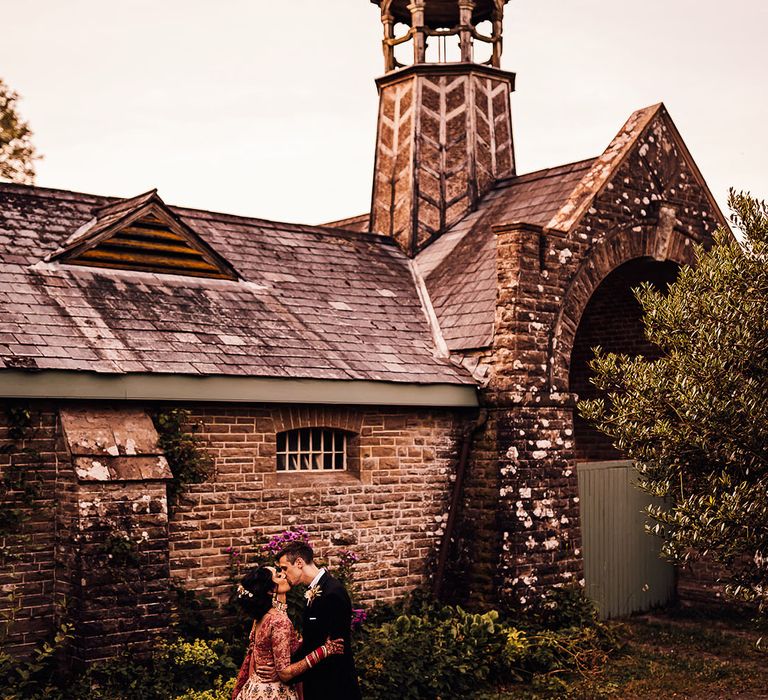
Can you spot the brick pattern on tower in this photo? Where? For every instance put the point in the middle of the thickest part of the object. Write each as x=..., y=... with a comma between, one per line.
x=444, y=138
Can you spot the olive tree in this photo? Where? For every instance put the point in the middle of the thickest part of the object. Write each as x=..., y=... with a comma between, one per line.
x=695, y=420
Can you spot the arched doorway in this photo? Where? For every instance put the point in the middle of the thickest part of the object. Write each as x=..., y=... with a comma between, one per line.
x=612, y=319
x=622, y=569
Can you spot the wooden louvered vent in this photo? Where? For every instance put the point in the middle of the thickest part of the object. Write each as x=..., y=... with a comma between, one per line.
x=145, y=235
x=150, y=245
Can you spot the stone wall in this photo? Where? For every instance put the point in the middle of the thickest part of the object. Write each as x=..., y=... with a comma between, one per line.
x=652, y=210
x=390, y=507
x=65, y=560
x=120, y=571
x=27, y=558
x=100, y=537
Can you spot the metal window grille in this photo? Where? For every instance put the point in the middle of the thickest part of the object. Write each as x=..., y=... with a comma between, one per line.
x=311, y=449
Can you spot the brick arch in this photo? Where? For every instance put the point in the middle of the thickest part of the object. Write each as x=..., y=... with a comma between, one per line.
x=291, y=417
x=619, y=247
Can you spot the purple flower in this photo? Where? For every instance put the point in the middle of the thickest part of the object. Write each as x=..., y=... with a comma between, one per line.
x=277, y=542
x=348, y=557
x=359, y=616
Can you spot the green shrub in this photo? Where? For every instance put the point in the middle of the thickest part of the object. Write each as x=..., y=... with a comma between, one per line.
x=196, y=670
x=559, y=608
x=461, y=654
x=414, y=650
x=193, y=665
x=221, y=691
x=35, y=677
x=457, y=652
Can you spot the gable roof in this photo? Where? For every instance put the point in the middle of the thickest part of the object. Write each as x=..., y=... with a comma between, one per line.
x=460, y=267
x=605, y=166
x=142, y=234
x=309, y=302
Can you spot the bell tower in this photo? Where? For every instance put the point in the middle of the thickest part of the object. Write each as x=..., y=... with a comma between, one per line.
x=445, y=128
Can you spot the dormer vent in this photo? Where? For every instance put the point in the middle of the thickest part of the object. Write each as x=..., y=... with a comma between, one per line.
x=145, y=235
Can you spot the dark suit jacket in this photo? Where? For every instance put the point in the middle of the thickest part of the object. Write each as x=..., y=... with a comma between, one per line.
x=329, y=615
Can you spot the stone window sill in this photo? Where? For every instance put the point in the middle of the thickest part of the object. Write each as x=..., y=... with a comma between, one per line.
x=311, y=479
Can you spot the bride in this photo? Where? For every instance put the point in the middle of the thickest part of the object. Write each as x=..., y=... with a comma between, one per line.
x=267, y=667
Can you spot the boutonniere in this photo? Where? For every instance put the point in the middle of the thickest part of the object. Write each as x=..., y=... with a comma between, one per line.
x=311, y=594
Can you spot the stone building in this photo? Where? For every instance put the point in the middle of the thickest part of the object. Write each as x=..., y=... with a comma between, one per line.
x=401, y=382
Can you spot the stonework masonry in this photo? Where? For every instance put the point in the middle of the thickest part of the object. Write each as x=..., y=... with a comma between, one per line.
x=29, y=584
x=650, y=213
x=390, y=508
x=109, y=550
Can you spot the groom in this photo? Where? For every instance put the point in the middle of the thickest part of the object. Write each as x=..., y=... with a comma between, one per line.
x=327, y=614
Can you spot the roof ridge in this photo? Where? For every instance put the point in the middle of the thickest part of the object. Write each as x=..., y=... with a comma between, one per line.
x=52, y=192
x=312, y=228
x=604, y=166
x=99, y=201
x=347, y=219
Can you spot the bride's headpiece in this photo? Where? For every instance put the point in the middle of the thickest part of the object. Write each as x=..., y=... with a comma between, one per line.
x=243, y=592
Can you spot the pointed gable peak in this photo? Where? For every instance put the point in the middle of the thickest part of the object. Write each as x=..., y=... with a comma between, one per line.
x=643, y=128
x=604, y=167
x=143, y=234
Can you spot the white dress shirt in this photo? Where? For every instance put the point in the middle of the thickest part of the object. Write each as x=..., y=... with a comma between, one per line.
x=317, y=578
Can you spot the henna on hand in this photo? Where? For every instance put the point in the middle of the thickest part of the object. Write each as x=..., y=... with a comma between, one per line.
x=331, y=647
x=334, y=646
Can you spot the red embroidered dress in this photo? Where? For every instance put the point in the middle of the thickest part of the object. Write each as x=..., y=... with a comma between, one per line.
x=269, y=651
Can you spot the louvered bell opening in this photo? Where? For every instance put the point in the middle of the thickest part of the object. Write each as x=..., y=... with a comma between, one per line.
x=149, y=245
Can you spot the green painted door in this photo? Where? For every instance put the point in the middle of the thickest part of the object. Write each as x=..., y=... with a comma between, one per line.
x=623, y=572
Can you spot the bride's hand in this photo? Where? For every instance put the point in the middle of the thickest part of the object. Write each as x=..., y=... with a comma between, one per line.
x=334, y=646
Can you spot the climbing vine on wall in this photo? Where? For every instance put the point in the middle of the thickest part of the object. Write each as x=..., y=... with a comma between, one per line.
x=119, y=550
x=18, y=482
x=187, y=458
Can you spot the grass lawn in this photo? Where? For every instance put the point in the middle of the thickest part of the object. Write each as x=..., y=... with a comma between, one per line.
x=687, y=653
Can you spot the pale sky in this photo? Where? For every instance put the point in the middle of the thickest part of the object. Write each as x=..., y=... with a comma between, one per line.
x=267, y=108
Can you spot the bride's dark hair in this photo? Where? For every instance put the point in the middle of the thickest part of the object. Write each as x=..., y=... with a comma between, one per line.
x=255, y=592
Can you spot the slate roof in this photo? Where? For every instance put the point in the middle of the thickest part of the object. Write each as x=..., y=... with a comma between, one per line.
x=359, y=223
x=312, y=302
x=460, y=266
x=323, y=302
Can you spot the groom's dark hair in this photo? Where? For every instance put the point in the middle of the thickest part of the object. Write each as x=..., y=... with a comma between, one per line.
x=294, y=550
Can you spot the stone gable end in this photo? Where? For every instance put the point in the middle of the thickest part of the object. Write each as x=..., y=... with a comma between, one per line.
x=648, y=209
